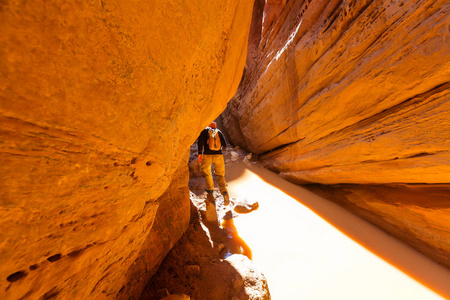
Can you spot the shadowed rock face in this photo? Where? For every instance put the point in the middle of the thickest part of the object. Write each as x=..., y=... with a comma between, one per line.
x=348, y=91
x=99, y=102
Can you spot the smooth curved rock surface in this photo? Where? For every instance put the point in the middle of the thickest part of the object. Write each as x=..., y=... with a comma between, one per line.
x=348, y=91
x=99, y=103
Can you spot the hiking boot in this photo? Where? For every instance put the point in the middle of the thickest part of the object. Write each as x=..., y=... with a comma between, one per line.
x=209, y=191
x=226, y=198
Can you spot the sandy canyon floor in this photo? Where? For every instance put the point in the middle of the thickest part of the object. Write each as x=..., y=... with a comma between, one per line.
x=305, y=246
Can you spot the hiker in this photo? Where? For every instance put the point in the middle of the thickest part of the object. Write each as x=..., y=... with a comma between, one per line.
x=210, y=143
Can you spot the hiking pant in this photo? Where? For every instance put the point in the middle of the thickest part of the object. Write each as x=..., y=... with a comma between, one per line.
x=219, y=167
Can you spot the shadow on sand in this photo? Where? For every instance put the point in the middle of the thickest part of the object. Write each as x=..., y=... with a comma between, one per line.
x=197, y=265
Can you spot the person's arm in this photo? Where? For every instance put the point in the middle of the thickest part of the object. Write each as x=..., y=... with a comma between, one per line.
x=200, y=144
x=223, y=142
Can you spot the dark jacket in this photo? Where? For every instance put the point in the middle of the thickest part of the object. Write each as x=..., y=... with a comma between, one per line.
x=203, y=147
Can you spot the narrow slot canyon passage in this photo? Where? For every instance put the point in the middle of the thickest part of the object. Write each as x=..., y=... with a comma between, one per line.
x=311, y=248
x=346, y=102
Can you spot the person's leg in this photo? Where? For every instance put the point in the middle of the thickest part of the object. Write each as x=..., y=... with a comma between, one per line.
x=206, y=172
x=219, y=171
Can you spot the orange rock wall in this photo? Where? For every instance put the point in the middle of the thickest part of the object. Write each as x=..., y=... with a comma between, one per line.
x=99, y=103
x=348, y=91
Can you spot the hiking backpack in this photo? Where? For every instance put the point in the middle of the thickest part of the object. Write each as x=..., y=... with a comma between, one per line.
x=214, y=140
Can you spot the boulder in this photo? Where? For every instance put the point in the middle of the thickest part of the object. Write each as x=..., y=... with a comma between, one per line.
x=250, y=280
x=99, y=102
x=244, y=206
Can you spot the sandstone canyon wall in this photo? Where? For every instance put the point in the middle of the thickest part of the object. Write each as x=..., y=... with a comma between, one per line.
x=99, y=103
x=355, y=92
x=348, y=91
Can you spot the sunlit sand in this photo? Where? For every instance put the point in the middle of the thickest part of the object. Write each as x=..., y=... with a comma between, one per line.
x=310, y=248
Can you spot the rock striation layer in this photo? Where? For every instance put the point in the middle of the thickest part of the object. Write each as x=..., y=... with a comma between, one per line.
x=355, y=96
x=99, y=103
x=347, y=91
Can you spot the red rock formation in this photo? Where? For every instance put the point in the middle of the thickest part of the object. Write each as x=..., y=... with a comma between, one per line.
x=349, y=92
x=99, y=102
x=355, y=92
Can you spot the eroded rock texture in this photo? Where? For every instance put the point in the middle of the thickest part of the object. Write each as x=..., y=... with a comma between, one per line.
x=355, y=92
x=347, y=91
x=99, y=103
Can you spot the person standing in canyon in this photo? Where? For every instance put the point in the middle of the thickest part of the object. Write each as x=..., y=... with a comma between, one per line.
x=210, y=144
